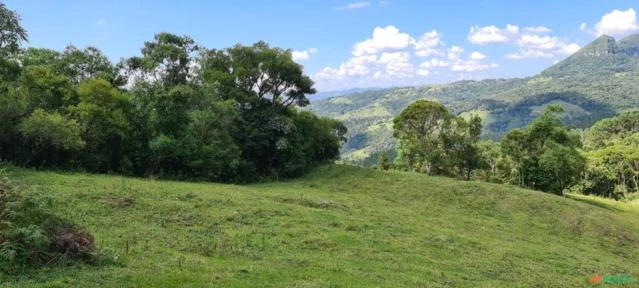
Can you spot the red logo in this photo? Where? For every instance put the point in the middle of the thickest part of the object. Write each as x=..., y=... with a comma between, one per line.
x=596, y=279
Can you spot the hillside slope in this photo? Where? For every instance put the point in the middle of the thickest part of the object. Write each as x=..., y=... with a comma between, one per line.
x=596, y=82
x=339, y=226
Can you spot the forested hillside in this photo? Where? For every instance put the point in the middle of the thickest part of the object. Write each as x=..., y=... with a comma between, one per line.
x=176, y=110
x=596, y=82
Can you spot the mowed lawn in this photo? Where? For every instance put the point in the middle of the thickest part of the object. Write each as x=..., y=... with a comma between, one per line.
x=339, y=226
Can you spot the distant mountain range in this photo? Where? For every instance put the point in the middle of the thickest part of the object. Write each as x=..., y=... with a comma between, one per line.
x=597, y=81
x=329, y=94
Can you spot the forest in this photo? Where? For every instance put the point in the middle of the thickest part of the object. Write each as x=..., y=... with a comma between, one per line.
x=547, y=155
x=178, y=110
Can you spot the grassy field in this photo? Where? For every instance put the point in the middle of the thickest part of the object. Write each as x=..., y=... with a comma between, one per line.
x=339, y=226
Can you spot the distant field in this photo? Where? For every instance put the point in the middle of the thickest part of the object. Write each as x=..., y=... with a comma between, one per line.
x=339, y=226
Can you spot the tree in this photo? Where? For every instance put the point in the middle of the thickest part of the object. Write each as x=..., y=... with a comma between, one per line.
x=168, y=59
x=383, y=163
x=417, y=129
x=44, y=89
x=102, y=111
x=11, y=33
x=546, y=153
x=43, y=130
x=250, y=74
x=459, y=143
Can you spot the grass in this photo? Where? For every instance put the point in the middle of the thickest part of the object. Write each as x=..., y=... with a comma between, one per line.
x=339, y=226
x=627, y=206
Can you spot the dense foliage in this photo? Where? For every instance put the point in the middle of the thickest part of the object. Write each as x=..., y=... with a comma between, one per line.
x=433, y=141
x=546, y=155
x=178, y=110
x=612, y=148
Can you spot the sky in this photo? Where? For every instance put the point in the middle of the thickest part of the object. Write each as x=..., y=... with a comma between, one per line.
x=348, y=44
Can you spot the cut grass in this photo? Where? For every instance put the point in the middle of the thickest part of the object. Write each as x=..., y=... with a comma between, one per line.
x=339, y=226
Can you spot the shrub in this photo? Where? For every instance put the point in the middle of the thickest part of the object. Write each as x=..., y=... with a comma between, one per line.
x=30, y=235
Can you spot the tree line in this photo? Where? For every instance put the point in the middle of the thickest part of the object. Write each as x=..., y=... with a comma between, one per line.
x=546, y=155
x=177, y=110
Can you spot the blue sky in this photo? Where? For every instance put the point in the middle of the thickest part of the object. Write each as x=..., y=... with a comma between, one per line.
x=347, y=44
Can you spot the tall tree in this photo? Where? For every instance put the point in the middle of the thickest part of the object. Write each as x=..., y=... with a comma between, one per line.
x=11, y=32
x=417, y=129
x=546, y=153
x=168, y=59
x=251, y=74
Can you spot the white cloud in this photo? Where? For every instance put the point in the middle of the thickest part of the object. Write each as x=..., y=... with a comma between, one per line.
x=570, y=48
x=434, y=63
x=428, y=44
x=583, y=26
x=529, y=53
x=354, y=5
x=532, y=41
x=471, y=66
x=397, y=64
x=423, y=72
x=618, y=23
x=538, y=29
x=513, y=29
x=383, y=39
x=538, y=42
x=476, y=55
x=356, y=66
x=303, y=55
x=454, y=52
x=487, y=35
x=387, y=59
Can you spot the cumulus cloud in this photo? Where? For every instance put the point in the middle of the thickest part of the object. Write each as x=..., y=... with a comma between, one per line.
x=487, y=35
x=617, y=23
x=476, y=55
x=532, y=41
x=303, y=55
x=386, y=38
x=454, y=52
x=428, y=44
x=471, y=66
x=397, y=64
x=538, y=29
x=390, y=58
x=354, y=5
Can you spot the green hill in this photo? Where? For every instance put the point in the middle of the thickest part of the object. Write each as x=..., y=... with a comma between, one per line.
x=596, y=82
x=340, y=226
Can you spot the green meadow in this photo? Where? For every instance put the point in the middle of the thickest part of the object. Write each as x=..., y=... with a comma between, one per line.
x=338, y=226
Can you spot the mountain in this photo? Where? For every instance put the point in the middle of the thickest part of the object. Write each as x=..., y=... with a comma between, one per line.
x=597, y=81
x=329, y=94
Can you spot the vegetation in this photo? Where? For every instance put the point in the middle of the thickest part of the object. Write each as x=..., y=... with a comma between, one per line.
x=338, y=225
x=237, y=115
x=178, y=110
x=433, y=141
x=31, y=235
x=612, y=149
x=597, y=82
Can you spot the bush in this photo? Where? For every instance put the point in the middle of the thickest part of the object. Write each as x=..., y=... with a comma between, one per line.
x=31, y=236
